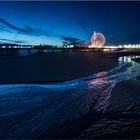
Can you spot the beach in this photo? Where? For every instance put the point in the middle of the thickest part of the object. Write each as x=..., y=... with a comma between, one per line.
x=101, y=105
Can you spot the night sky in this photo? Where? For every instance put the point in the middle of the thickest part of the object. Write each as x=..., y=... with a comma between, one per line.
x=61, y=22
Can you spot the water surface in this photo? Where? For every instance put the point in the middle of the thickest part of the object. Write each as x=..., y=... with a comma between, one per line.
x=77, y=108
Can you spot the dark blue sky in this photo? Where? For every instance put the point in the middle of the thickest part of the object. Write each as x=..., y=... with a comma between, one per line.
x=57, y=22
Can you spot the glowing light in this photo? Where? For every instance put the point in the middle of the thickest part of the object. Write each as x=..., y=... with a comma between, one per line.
x=97, y=40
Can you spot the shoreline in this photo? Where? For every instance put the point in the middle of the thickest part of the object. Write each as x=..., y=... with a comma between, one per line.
x=38, y=112
x=101, y=62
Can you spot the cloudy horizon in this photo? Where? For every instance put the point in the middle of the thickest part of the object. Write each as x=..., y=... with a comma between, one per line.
x=61, y=22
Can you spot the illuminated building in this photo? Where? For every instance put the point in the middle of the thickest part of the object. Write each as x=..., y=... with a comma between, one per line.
x=97, y=40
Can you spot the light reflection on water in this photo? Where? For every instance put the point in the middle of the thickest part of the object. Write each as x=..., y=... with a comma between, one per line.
x=127, y=59
x=126, y=70
x=63, y=102
x=102, y=82
x=25, y=52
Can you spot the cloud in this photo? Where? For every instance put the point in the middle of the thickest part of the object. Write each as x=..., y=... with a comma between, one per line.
x=28, y=30
x=71, y=40
x=12, y=41
x=14, y=27
x=65, y=42
x=3, y=30
x=6, y=26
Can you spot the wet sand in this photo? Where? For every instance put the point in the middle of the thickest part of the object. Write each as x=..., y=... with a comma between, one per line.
x=54, y=67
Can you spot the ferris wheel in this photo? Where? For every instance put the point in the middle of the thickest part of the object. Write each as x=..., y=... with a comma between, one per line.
x=97, y=40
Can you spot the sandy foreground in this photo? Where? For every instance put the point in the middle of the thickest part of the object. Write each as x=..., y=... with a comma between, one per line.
x=53, y=67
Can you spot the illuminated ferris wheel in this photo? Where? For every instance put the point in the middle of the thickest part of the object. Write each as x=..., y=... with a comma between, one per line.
x=97, y=40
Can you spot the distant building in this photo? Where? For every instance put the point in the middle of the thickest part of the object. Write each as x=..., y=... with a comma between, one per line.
x=97, y=40
x=15, y=46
